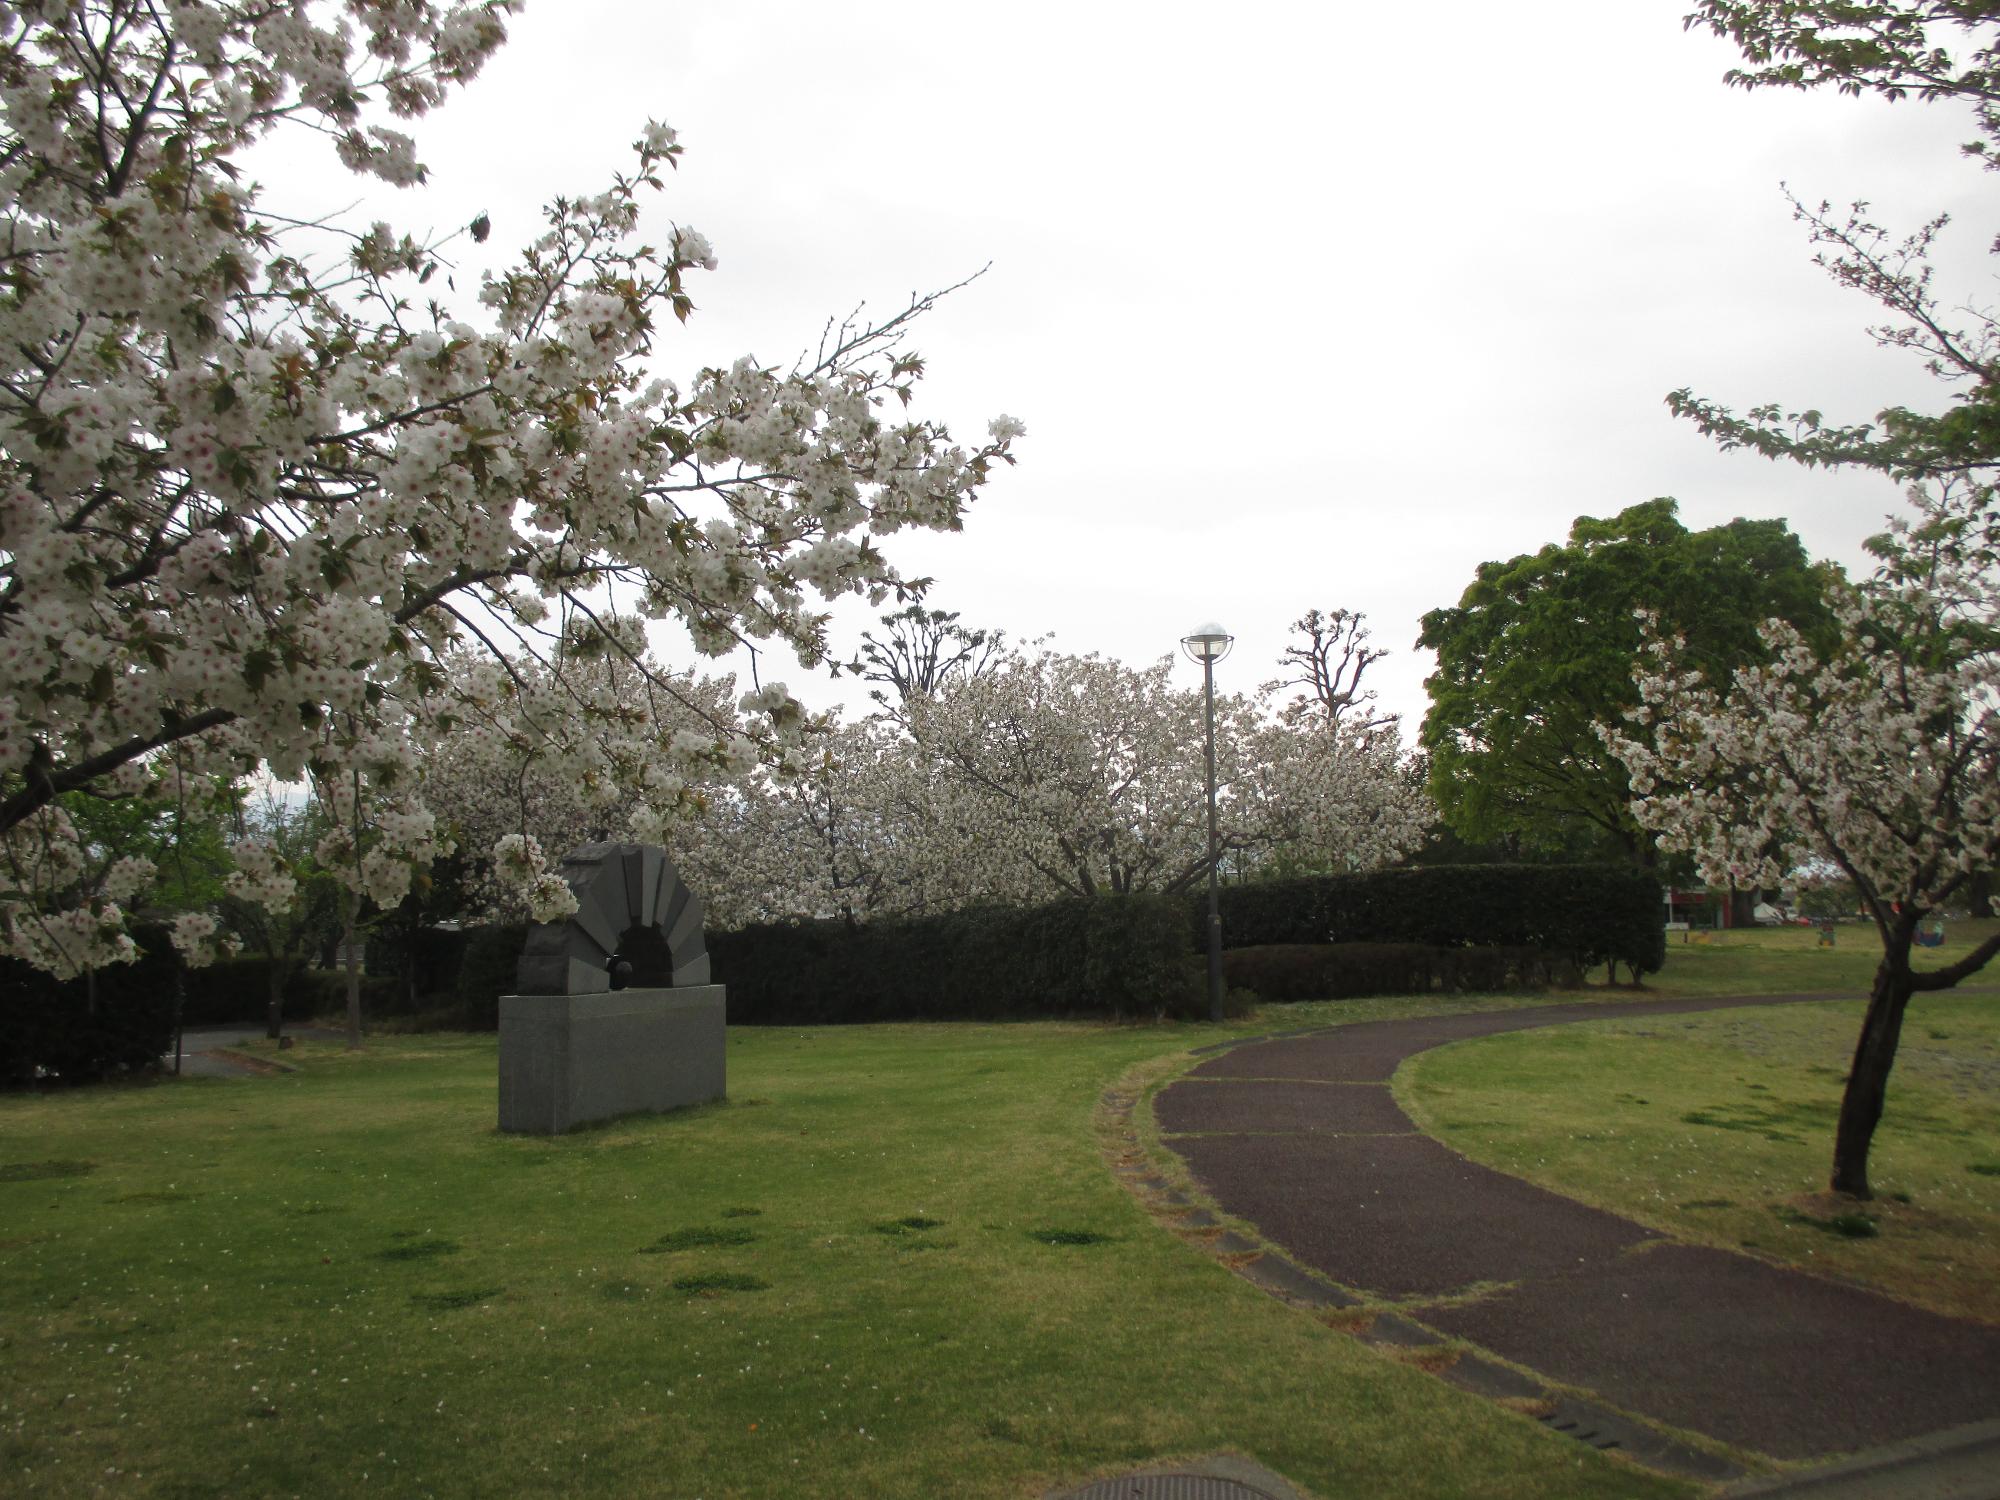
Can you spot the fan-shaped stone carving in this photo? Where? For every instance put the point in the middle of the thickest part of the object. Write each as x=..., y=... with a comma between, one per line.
x=631, y=906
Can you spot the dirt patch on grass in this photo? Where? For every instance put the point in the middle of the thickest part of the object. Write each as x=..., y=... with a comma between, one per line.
x=44, y=1171
x=699, y=1237
x=1891, y=1216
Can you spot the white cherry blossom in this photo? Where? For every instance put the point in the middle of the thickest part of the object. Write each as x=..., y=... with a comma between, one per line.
x=259, y=490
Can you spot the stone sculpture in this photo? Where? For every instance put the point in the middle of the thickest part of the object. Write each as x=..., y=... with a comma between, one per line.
x=614, y=1013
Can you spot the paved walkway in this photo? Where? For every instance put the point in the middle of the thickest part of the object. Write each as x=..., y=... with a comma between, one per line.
x=1300, y=1137
x=204, y=1054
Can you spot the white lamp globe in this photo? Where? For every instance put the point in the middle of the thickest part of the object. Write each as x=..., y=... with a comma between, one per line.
x=1207, y=643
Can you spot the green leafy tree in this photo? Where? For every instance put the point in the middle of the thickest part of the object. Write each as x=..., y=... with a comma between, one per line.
x=184, y=841
x=1540, y=649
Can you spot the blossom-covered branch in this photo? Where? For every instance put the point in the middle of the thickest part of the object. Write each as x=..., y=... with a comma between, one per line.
x=259, y=485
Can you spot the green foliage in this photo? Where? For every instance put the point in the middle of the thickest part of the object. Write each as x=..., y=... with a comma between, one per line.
x=1829, y=898
x=186, y=844
x=77, y=1031
x=1540, y=649
x=1868, y=46
x=427, y=958
x=1341, y=971
x=490, y=958
x=1578, y=915
x=238, y=989
x=282, y=943
x=323, y=992
x=1112, y=955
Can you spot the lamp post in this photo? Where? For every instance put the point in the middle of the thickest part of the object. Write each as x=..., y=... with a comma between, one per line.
x=1208, y=645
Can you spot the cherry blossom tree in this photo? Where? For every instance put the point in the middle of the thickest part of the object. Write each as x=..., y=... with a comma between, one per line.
x=260, y=477
x=510, y=762
x=857, y=833
x=1036, y=776
x=1879, y=757
x=1077, y=775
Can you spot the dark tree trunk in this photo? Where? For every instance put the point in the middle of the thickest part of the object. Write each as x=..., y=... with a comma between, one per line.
x=1979, y=892
x=350, y=931
x=1874, y=1055
x=1742, y=908
x=274, y=1000
x=180, y=1004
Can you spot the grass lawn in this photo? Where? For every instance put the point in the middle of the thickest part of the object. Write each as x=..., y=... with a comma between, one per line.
x=1789, y=960
x=894, y=1263
x=1719, y=1128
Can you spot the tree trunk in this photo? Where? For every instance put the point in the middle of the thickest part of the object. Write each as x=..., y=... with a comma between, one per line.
x=350, y=909
x=1742, y=908
x=1979, y=892
x=1874, y=1054
x=180, y=1004
x=274, y=1000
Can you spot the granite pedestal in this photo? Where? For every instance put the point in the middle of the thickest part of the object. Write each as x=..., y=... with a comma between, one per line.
x=566, y=1060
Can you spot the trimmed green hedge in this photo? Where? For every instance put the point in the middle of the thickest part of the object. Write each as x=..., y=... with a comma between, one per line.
x=1343, y=971
x=238, y=989
x=1121, y=956
x=323, y=992
x=486, y=972
x=427, y=959
x=50, y=1031
x=1467, y=927
x=1586, y=915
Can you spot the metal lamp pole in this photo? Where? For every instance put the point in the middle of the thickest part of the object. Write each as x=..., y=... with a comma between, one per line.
x=1208, y=645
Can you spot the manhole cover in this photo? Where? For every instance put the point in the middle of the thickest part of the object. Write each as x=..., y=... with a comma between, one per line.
x=1222, y=1477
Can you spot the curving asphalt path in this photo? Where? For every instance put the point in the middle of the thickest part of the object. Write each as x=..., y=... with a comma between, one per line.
x=1300, y=1137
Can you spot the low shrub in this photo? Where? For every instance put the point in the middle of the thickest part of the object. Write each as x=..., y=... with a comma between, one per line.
x=1345, y=971
x=1586, y=915
x=426, y=959
x=1119, y=956
x=323, y=992
x=486, y=972
x=77, y=1031
x=238, y=989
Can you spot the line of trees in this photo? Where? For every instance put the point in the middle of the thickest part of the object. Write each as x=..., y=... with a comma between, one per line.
x=987, y=774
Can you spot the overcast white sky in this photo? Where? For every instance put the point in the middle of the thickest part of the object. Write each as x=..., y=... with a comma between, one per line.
x=1302, y=305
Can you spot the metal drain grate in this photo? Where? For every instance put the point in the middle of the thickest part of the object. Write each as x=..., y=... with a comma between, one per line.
x=1603, y=1429
x=1584, y=1432
x=1170, y=1487
x=1221, y=1477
